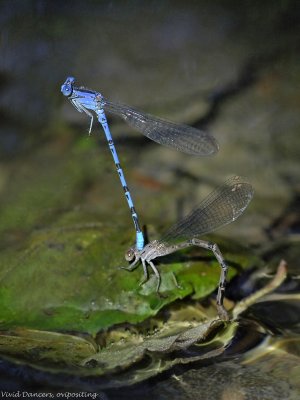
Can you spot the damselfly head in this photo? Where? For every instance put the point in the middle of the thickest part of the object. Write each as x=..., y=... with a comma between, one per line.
x=67, y=87
x=130, y=254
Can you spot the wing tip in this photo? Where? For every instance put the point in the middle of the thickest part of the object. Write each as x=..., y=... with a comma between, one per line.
x=210, y=149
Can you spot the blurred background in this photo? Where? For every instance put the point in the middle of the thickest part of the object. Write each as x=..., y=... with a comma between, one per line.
x=231, y=68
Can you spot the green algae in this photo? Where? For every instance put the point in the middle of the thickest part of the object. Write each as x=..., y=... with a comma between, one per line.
x=70, y=279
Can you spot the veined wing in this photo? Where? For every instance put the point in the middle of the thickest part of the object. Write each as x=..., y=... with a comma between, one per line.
x=181, y=137
x=219, y=208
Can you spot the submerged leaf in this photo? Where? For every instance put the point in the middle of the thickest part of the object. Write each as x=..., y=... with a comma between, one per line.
x=129, y=354
x=49, y=347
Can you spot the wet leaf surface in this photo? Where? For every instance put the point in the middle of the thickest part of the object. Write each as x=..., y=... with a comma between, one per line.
x=50, y=347
x=129, y=355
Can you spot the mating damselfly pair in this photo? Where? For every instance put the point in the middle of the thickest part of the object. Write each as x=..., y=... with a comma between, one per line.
x=221, y=207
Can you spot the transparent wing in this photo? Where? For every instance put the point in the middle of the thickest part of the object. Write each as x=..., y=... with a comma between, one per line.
x=177, y=136
x=219, y=208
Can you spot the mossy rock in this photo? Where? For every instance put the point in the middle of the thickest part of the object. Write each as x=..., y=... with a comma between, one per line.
x=69, y=279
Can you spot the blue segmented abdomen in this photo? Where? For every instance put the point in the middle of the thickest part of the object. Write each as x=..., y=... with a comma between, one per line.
x=139, y=235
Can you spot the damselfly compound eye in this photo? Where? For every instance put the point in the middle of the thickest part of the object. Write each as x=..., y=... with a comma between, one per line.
x=129, y=255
